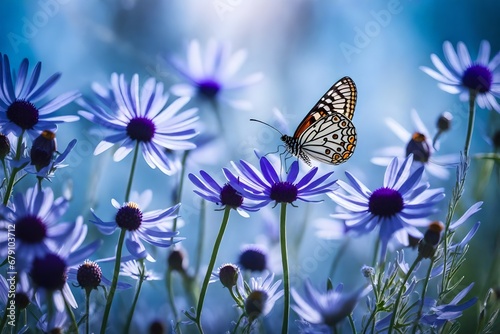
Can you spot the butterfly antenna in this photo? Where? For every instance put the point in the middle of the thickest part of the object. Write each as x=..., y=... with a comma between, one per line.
x=272, y=127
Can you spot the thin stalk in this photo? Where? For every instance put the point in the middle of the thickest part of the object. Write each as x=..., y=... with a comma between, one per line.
x=400, y=293
x=132, y=170
x=170, y=293
x=142, y=271
x=210, y=268
x=201, y=234
x=459, y=186
x=178, y=194
x=351, y=323
x=375, y=253
x=470, y=125
x=238, y=324
x=338, y=256
x=12, y=178
x=424, y=291
x=286, y=275
x=74, y=324
x=114, y=282
x=87, y=311
x=119, y=248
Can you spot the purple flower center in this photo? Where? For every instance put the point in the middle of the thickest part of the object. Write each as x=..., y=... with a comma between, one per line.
x=478, y=78
x=385, y=202
x=89, y=275
x=141, y=129
x=49, y=272
x=23, y=113
x=208, y=88
x=22, y=300
x=30, y=229
x=284, y=192
x=230, y=197
x=253, y=259
x=419, y=147
x=129, y=217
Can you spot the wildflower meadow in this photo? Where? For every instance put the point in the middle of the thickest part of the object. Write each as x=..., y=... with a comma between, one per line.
x=234, y=166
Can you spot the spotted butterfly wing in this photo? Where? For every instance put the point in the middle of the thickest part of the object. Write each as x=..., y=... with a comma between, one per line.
x=326, y=133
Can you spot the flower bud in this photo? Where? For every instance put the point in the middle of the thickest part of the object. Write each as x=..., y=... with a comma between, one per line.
x=43, y=149
x=228, y=275
x=428, y=245
x=89, y=275
x=367, y=271
x=177, y=260
x=419, y=147
x=444, y=121
x=157, y=327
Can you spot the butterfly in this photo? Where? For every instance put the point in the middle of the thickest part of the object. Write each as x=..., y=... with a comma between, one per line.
x=326, y=133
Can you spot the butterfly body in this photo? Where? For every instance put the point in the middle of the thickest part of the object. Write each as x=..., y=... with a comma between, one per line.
x=327, y=133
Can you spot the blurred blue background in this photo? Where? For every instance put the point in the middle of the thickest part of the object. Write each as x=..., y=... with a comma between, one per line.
x=302, y=47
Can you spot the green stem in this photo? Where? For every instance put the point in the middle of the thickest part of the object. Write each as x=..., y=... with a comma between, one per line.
x=132, y=170
x=238, y=323
x=470, y=126
x=119, y=248
x=400, y=293
x=170, y=293
x=12, y=178
x=201, y=234
x=87, y=311
x=375, y=253
x=114, y=282
x=286, y=275
x=210, y=268
x=181, y=185
x=142, y=271
x=338, y=256
x=351, y=323
x=74, y=324
x=422, y=298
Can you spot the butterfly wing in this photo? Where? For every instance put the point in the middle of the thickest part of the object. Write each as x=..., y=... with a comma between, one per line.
x=340, y=98
x=331, y=139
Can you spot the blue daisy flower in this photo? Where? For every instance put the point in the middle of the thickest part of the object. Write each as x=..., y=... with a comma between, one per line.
x=438, y=315
x=260, y=295
x=398, y=207
x=19, y=112
x=266, y=186
x=153, y=227
x=226, y=195
x=35, y=215
x=49, y=272
x=211, y=76
x=480, y=76
x=326, y=309
x=419, y=143
x=141, y=118
x=134, y=270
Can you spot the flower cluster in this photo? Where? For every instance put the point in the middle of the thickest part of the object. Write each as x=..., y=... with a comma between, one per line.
x=62, y=272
